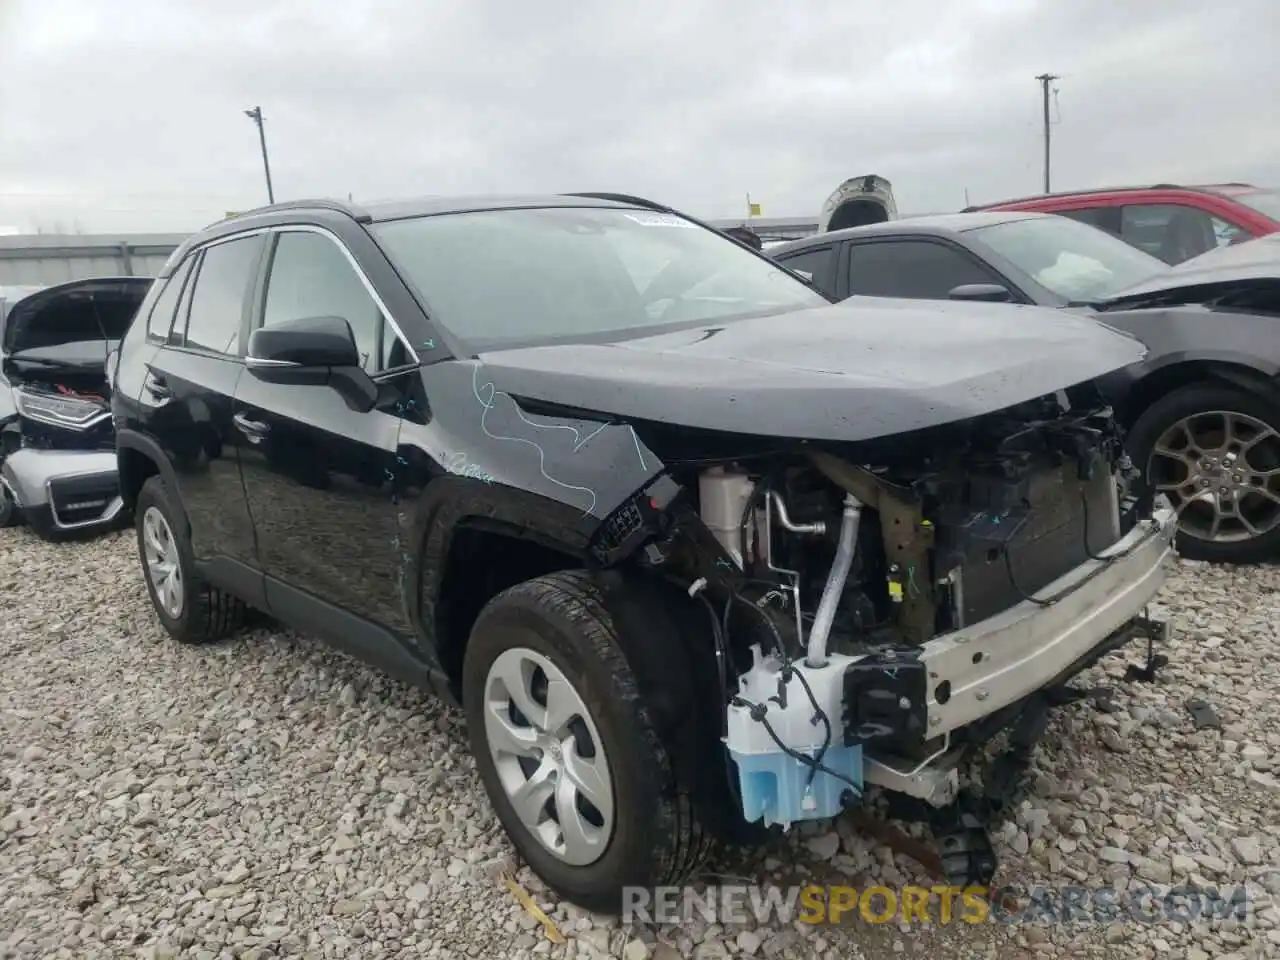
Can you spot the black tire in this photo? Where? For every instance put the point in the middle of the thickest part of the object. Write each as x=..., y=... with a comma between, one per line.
x=207, y=614
x=657, y=837
x=10, y=515
x=1188, y=401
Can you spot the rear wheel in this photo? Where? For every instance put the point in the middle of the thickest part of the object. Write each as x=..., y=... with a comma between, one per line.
x=191, y=610
x=1214, y=450
x=568, y=749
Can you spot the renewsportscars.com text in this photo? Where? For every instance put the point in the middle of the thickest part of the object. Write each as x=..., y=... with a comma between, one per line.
x=730, y=904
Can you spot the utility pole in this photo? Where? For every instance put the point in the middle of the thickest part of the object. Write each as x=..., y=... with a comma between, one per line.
x=1046, y=79
x=256, y=116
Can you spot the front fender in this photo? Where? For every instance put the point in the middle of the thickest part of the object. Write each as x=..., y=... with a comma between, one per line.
x=1190, y=343
x=1197, y=333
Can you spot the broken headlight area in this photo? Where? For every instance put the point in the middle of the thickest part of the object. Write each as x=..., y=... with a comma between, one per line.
x=58, y=417
x=881, y=605
x=59, y=406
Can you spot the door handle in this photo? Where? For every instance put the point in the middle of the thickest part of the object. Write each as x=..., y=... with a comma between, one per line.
x=254, y=430
x=155, y=385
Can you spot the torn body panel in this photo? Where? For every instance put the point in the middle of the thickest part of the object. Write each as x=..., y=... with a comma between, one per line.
x=974, y=564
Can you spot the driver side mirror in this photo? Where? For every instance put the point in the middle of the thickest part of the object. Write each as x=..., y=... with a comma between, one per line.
x=312, y=351
x=983, y=292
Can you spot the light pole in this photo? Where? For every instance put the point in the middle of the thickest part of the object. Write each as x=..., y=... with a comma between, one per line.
x=256, y=116
x=1046, y=79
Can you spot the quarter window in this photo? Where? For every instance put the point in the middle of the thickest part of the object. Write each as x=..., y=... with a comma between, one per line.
x=218, y=298
x=161, y=320
x=311, y=277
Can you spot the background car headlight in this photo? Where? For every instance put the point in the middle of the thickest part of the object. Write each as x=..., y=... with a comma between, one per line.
x=73, y=413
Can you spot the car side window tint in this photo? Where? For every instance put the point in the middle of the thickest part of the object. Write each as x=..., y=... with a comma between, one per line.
x=218, y=295
x=311, y=277
x=1104, y=218
x=162, y=310
x=1175, y=232
x=919, y=269
x=815, y=264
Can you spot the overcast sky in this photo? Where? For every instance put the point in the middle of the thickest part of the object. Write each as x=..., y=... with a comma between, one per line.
x=129, y=116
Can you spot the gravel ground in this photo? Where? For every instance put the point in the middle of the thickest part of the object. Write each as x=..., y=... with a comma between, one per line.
x=266, y=797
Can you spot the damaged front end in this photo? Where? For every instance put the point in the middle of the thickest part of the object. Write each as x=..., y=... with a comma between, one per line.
x=57, y=443
x=886, y=607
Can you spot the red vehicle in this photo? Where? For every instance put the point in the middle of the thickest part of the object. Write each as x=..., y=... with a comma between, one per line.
x=1170, y=222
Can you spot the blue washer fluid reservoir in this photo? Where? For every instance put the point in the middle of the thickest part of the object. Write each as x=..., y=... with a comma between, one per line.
x=777, y=787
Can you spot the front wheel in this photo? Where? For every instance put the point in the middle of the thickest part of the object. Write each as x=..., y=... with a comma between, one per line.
x=567, y=748
x=1214, y=450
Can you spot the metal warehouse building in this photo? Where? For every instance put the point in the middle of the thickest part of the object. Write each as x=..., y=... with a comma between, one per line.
x=37, y=260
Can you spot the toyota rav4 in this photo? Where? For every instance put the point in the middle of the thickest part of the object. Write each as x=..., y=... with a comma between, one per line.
x=694, y=548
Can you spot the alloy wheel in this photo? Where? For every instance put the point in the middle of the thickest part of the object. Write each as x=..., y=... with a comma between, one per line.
x=164, y=566
x=1221, y=469
x=549, y=756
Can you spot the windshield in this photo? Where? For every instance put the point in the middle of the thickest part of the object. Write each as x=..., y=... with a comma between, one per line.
x=1266, y=202
x=500, y=278
x=1072, y=259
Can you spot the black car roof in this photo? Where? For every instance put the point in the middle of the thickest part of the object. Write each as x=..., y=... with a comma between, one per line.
x=935, y=225
x=319, y=208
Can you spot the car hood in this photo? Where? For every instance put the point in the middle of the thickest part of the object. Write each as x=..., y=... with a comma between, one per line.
x=1207, y=276
x=857, y=202
x=98, y=308
x=857, y=370
x=80, y=355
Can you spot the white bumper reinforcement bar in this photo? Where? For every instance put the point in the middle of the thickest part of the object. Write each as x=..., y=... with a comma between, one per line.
x=975, y=671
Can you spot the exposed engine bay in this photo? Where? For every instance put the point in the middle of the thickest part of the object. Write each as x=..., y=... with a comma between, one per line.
x=876, y=605
x=948, y=531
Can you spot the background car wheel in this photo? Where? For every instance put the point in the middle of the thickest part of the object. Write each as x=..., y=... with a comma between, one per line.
x=1214, y=450
x=190, y=609
x=567, y=747
x=10, y=515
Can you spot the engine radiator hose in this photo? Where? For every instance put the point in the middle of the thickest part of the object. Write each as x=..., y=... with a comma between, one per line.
x=834, y=589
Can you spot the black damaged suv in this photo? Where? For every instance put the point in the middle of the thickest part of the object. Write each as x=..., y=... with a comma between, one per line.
x=693, y=547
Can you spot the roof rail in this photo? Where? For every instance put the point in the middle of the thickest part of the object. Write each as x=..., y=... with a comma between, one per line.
x=1096, y=190
x=319, y=203
x=623, y=198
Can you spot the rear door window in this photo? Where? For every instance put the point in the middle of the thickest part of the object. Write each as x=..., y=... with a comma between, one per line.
x=1104, y=218
x=1175, y=232
x=219, y=295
